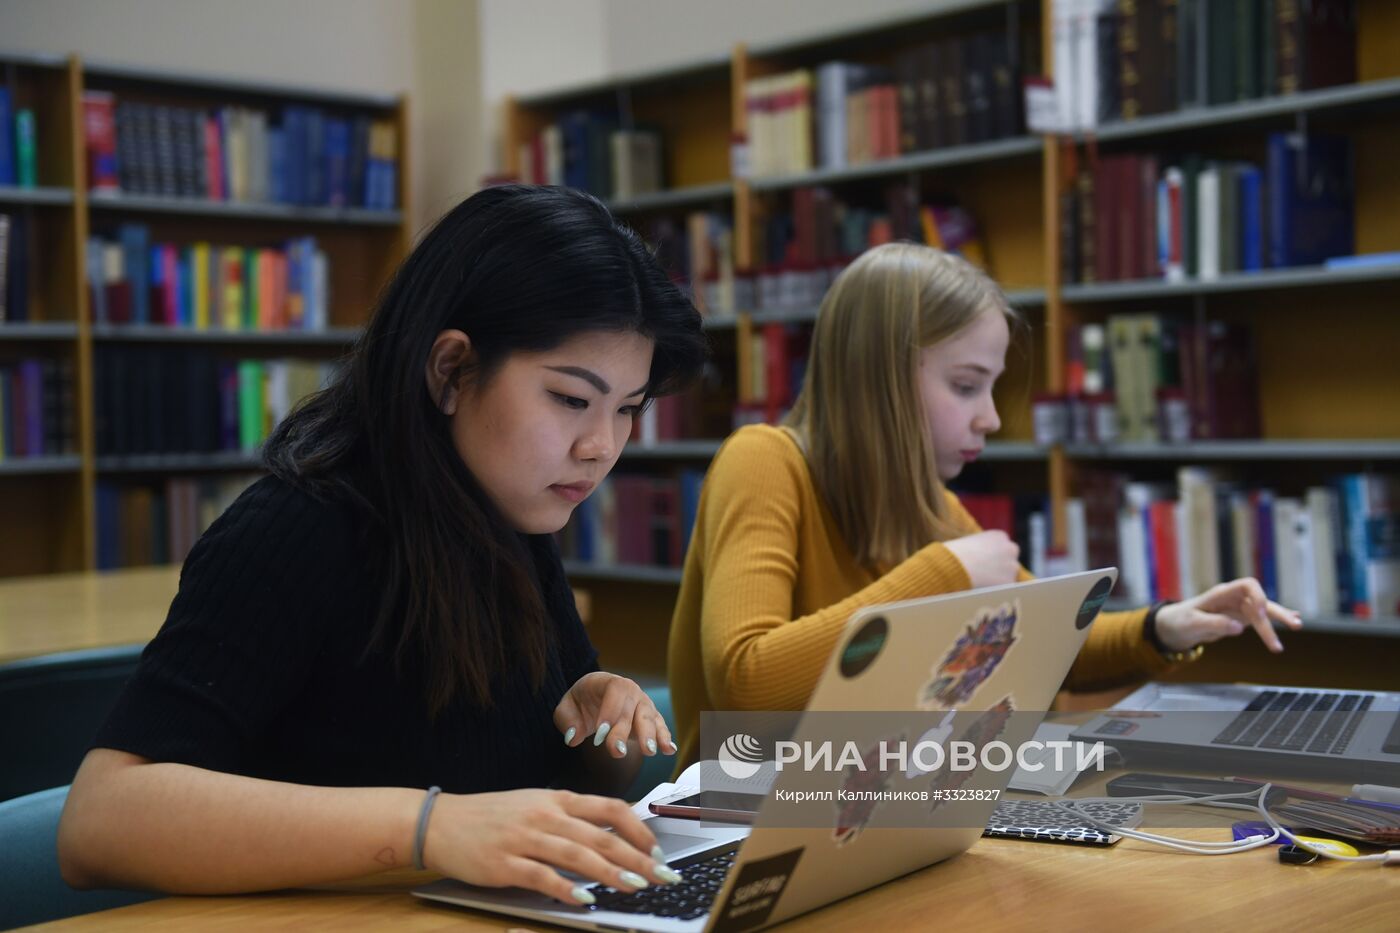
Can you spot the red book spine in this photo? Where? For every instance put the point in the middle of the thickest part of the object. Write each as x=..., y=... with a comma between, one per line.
x=1162, y=520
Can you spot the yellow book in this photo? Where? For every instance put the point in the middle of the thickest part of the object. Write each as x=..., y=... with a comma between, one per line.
x=231, y=271
x=199, y=261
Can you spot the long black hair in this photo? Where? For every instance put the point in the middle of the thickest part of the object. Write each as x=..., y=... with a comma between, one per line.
x=518, y=269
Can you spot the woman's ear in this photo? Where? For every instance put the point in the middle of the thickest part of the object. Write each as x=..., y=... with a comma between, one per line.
x=450, y=351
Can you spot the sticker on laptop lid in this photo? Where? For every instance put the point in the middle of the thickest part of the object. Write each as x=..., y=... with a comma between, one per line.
x=756, y=891
x=984, y=730
x=864, y=647
x=862, y=791
x=974, y=657
x=1093, y=603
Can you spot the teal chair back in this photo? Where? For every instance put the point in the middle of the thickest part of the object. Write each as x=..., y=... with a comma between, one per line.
x=658, y=767
x=31, y=888
x=51, y=708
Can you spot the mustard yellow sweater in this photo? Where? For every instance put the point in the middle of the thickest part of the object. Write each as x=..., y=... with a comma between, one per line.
x=769, y=584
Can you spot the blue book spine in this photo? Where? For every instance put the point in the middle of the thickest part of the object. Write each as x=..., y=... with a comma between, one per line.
x=315, y=157
x=1264, y=542
x=277, y=165
x=185, y=300
x=294, y=154
x=691, y=481
x=7, y=138
x=1154, y=587
x=338, y=163
x=585, y=528
x=136, y=268
x=108, y=527
x=1353, y=488
x=1251, y=219
x=157, y=281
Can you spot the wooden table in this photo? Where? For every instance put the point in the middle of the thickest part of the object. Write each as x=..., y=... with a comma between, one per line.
x=999, y=884
x=71, y=611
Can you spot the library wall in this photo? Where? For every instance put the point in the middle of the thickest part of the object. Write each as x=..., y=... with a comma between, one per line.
x=346, y=45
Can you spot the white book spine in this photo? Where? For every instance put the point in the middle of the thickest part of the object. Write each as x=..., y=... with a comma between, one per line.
x=1076, y=535
x=1208, y=223
x=1285, y=552
x=1326, y=531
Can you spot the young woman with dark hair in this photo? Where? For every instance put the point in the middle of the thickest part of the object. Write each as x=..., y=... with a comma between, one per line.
x=387, y=613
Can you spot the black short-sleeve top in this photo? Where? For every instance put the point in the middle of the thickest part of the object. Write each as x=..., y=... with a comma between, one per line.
x=261, y=667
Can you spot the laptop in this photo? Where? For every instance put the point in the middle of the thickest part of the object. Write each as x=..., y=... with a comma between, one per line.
x=993, y=649
x=1346, y=735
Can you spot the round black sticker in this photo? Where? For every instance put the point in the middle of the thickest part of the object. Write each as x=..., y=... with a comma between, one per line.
x=864, y=647
x=1089, y=609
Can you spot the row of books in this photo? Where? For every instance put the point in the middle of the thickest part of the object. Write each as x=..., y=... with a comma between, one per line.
x=16, y=232
x=1334, y=549
x=634, y=519
x=202, y=285
x=301, y=155
x=19, y=163
x=1135, y=217
x=769, y=386
x=952, y=92
x=151, y=400
x=698, y=254
x=1167, y=379
x=36, y=408
x=139, y=524
x=1124, y=59
x=803, y=251
x=586, y=150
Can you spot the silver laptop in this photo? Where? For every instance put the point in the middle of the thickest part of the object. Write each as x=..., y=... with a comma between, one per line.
x=1345, y=735
x=994, y=650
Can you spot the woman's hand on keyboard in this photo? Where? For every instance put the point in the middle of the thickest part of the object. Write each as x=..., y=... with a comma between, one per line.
x=524, y=838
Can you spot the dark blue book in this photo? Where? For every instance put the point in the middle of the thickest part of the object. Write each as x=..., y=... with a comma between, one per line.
x=293, y=155
x=1311, y=199
x=109, y=532
x=359, y=159
x=7, y=138
x=573, y=133
x=337, y=163
x=276, y=165
x=315, y=157
x=16, y=277
x=1251, y=205
x=136, y=269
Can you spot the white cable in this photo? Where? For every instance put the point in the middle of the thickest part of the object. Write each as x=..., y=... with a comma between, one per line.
x=1256, y=798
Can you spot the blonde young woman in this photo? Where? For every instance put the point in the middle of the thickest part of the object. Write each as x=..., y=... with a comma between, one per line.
x=845, y=505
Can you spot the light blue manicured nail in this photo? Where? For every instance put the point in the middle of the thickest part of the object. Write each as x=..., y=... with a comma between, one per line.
x=651, y=746
x=583, y=895
x=621, y=747
x=658, y=855
x=633, y=880
x=602, y=733
x=666, y=874
x=569, y=736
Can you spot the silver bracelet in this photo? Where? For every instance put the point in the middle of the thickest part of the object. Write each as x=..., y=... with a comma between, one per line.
x=421, y=833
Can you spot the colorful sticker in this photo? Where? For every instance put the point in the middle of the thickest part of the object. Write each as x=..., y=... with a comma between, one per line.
x=973, y=657
x=984, y=729
x=852, y=815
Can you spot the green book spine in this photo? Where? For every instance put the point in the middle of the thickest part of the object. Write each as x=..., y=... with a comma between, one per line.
x=250, y=289
x=1248, y=29
x=250, y=404
x=27, y=160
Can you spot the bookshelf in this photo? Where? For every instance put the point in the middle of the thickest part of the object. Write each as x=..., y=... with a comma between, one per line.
x=51, y=501
x=1317, y=415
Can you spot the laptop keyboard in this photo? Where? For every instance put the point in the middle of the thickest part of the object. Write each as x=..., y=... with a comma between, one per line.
x=1297, y=721
x=704, y=875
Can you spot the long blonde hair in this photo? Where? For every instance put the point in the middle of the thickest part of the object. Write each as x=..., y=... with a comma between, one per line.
x=859, y=416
